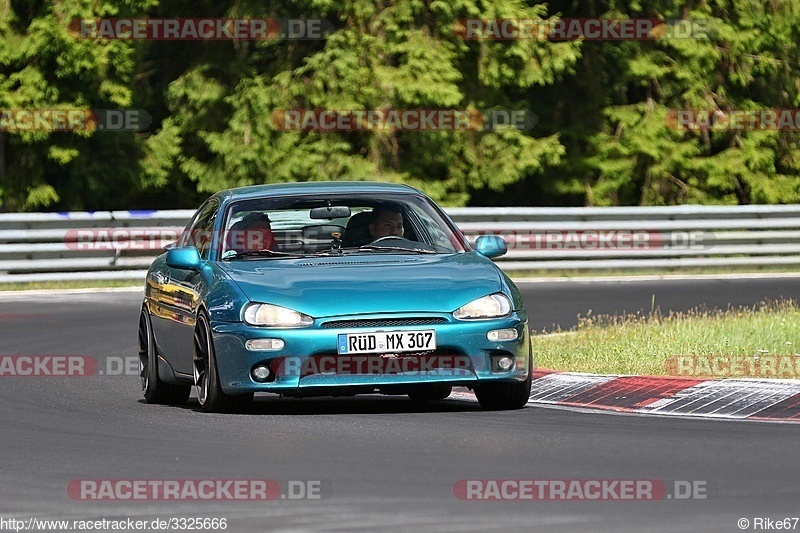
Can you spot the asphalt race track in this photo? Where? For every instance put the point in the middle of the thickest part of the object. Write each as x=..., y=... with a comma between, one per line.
x=382, y=463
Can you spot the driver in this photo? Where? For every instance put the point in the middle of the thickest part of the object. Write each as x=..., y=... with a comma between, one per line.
x=386, y=223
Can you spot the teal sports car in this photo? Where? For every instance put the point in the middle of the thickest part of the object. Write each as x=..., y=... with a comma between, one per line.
x=330, y=289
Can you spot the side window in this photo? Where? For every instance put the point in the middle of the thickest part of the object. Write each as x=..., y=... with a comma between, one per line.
x=435, y=233
x=200, y=233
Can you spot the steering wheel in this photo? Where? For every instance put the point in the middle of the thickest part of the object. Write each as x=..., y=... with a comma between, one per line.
x=389, y=237
x=404, y=243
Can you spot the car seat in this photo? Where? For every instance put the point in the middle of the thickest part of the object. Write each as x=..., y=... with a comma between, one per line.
x=357, y=231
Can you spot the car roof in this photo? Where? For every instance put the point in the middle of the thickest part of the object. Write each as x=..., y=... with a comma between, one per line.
x=316, y=187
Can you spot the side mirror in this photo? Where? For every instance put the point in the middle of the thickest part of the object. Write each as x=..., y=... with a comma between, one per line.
x=187, y=258
x=490, y=246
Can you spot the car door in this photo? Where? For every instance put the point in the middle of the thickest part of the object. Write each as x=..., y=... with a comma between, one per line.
x=180, y=294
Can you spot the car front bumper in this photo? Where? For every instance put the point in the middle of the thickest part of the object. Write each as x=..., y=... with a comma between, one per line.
x=308, y=362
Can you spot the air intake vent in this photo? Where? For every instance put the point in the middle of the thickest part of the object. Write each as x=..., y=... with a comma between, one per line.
x=384, y=322
x=343, y=262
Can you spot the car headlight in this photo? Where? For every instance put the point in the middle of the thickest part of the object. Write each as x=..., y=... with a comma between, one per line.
x=493, y=306
x=275, y=316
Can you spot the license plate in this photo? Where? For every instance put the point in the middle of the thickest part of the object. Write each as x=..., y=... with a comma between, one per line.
x=387, y=342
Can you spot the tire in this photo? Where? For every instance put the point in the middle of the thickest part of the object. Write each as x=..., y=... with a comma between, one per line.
x=154, y=390
x=206, y=378
x=432, y=392
x=505, y=396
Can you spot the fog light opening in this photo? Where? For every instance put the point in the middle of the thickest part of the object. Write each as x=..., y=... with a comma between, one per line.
x=505, y=363
x=261, y=373
x=496, y=335
x=264, y=345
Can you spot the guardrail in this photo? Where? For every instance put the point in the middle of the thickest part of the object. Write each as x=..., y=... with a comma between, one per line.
x=52, y=246
x=49, y=247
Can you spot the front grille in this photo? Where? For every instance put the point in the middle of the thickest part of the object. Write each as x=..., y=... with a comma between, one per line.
x=384, y=322
x=329, y=362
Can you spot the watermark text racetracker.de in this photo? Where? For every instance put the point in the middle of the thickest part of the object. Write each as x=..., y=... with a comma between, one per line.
x=107, y=239
x=579, y=489
x=720, y=366
x=67, y=366
x=156, y=238
x=120, y=524
x=733, y=119
x=48, y=366
x=587, y=29
x=197, y=489
x=402, y=119
x=200, y=29
x=74, y=120
x=122, y=238
x=597, y=239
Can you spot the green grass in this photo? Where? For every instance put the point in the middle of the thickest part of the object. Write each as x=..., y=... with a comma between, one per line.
x=650, y=344
x=76, y=284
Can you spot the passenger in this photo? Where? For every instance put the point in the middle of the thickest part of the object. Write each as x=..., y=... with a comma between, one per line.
x=252, y=233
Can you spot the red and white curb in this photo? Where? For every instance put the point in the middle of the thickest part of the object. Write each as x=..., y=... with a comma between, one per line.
x=742, y=399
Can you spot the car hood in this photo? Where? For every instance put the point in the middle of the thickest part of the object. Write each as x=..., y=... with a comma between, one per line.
x=346, y=285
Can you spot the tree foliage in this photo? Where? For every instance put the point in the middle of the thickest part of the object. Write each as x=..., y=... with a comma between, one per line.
x=602, y=136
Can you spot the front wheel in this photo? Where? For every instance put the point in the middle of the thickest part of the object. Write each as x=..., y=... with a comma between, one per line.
x=505, y=396
x=155, y=390
x=206, y=378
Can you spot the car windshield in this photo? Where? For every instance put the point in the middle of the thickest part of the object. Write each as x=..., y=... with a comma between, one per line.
x=284, y=227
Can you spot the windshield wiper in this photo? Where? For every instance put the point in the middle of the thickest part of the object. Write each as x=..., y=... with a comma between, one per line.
x=396, y=249
x=232, y=254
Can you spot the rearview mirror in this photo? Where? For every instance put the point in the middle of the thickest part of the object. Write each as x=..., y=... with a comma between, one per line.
x=329, y=212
